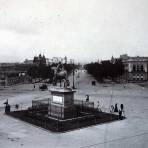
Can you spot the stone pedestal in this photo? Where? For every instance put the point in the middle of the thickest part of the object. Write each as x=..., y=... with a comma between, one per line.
x=62, y=102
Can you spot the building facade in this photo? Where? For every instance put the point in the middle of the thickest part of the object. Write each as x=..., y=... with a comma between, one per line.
x=136, y=68
x=12, y=73
x=40, y=60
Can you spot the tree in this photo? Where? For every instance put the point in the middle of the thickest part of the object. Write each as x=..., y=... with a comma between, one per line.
x=44, y=72
x=106, y=69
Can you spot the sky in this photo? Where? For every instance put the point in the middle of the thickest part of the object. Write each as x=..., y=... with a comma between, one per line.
x=84, y=30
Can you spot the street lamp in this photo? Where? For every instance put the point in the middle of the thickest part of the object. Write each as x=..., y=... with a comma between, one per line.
x=73, y=76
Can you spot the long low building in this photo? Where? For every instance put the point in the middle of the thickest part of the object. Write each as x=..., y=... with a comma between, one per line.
x=136, y=68
x=12, y=73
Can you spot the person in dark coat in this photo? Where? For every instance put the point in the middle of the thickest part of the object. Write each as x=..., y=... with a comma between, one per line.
x=122, y=107
x=116, y=108
x=120, y=114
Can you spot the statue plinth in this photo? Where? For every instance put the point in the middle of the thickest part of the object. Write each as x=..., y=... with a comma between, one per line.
x=62, y=102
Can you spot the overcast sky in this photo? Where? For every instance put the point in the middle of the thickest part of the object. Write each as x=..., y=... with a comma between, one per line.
x=85, y=30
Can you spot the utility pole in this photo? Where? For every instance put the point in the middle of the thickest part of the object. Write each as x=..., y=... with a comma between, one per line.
x=73, y=76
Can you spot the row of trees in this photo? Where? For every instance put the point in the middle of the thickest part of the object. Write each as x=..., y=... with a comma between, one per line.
x=44, y=72
x=106, y=69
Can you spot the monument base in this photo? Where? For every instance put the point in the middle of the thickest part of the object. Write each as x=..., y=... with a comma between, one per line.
x=64, y=125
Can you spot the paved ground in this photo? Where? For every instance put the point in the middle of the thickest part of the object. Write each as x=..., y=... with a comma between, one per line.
x=132, y=132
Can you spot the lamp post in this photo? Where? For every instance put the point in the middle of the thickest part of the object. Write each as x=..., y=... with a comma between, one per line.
x=73, y=76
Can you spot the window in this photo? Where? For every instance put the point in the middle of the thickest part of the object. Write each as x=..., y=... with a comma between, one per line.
x=134, y=67
x=137, y=67
x=142, y=68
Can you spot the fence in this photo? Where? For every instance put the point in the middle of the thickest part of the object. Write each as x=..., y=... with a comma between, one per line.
x=37, y=103
x=59, y=111
x=84, y=103
x=18, y=107
x=45, y=107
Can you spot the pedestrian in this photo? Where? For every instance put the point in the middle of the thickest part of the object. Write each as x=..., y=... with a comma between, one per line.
x=87, y=98
x=17, y=106
x=34, y=86
x=116, y=108
x=120, y=114
x=98, y=107
x=112, y=109
x=122, y=108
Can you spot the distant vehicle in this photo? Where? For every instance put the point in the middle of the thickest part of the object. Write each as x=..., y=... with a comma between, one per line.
x=43, y=87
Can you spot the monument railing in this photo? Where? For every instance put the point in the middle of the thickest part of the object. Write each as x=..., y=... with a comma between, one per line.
x=42, y=102
x=18, y=107
x=84, y=103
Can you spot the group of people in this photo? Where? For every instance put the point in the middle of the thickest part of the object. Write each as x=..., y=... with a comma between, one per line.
x=116, y=110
